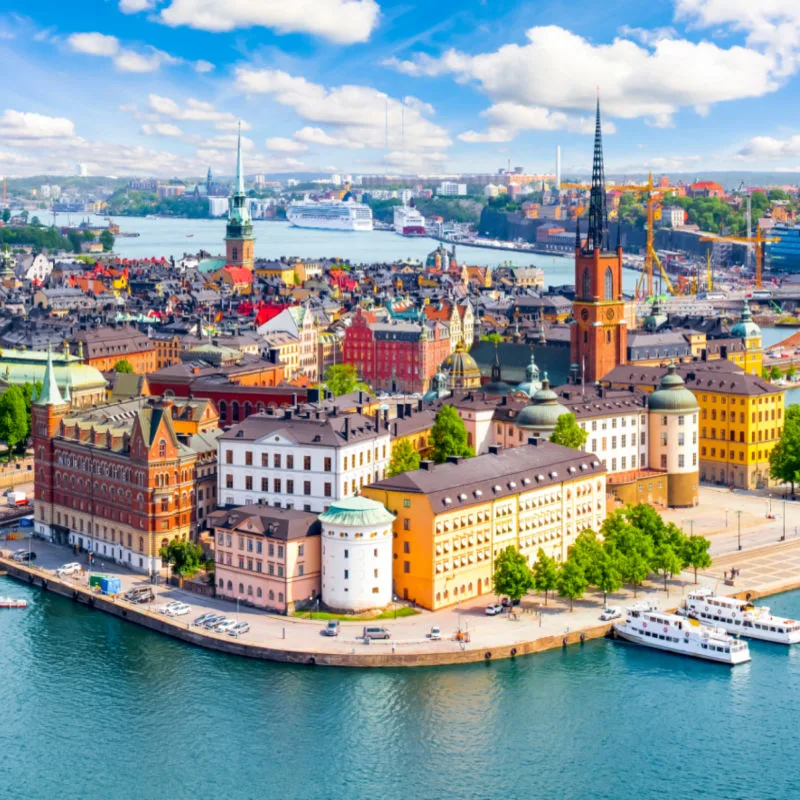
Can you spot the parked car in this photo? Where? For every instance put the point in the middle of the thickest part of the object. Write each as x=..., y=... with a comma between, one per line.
x=225, y=626
x=493, y=609
x=332, y=628
x=213, y=620
x=239, y=629
x=178, y=610
x=611, y=612
x=142, y=595
x=24, y=556
x=375, y=632
x=201, y=620
x=68, y=569
x=435, y=634
x=167, y=607
x=507, y=602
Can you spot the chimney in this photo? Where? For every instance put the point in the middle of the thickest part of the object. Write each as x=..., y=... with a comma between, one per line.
x=401, y=411
x=287, y=414
x=419, y=404
x=494, y=449
x=534, y=441
x=426, y=465
x=454, y=459
x=386, y=418
x=360, y=396
x=347, y=429
x=408, y=409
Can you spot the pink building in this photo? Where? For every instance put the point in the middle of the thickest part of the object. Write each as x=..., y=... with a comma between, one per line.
x=267, y=557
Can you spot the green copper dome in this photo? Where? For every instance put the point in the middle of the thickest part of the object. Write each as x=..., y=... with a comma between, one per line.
x=356, y=512
x=672, y=394
x=745, y=328
x=543, y=412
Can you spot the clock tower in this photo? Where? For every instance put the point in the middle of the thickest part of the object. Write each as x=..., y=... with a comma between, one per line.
x=239, y=239
x=599, y=339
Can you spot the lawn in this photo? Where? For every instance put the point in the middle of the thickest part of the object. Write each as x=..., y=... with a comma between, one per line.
x=402, y=611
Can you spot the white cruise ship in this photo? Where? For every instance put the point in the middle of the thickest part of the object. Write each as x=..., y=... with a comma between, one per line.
x=332, y=215
x=644, y=624
x=739, y=616
x=408, y=221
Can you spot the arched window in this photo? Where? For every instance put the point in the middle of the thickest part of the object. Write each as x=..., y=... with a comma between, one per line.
x=221, y=583
x=587, y=285
x=250, y=590
x=271, y=595
x=223, y=409
x=248, y=410
x=235, y=253
x=258, y=592
x=608, y=337
x=241, y=588
x=235, y=411
x=585, y=337
x=141, y=544
x=609, y=289
x=230, y=586
x=162, y=449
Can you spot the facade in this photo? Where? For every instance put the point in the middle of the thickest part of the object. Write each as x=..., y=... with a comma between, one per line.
x=115, y=480
x=784, y=255
x=451, y=189
x=304, y=460
x=301, y=325
x=599, y=334
x=454, y=519
x=356, y=555
x=102, y=348
x=267, y=557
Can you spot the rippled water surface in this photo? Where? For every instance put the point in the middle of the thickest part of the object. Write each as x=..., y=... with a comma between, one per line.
x=91, y=707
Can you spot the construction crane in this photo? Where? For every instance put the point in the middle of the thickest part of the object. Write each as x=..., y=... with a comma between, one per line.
x=758, y=240
x=709, y=276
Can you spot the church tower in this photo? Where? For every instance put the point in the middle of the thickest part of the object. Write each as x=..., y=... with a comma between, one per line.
x=599, y=334
x=239, y=239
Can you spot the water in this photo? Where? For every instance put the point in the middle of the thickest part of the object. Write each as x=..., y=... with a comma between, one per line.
x=95, y=707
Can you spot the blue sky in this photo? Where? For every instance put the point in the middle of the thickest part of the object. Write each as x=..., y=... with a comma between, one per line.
x=158, y=86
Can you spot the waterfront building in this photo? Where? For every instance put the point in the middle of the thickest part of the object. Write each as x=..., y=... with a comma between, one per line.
x=116, y=480
x=599, y=335
x=301, y=458
x=356, y=555
x=452, y=520
x=784, y=255
x=239, y=238
x=267, y=557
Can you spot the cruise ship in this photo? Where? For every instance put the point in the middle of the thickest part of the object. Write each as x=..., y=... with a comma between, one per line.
x=741, y=617
x=644, y=624
x=331, y=215
x=408, y=221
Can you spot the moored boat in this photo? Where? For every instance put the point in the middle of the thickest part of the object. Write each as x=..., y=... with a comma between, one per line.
x=10, y=602
x=741, y=617
x=644, y=624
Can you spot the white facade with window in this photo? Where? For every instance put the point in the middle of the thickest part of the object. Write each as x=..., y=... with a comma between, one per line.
x=620, y=441
x=451, y=189
x=298, y=462
x=673, y=446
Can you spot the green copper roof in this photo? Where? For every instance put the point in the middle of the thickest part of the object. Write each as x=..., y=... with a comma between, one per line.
x=239, y=223
x=672, y=394
x=356, y=512
x=50, y=395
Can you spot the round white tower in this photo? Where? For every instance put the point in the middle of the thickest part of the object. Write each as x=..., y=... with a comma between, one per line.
x=356, y=555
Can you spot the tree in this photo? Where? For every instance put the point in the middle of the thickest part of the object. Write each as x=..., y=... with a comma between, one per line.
x=185, y=557
x=791, y=373
x=13, y=418
x=27, y=392
x=512, y=578
x=634, y=569
x=666, y=561
x=124, y=366
x=784, y=460
x=449, y=436
x=571, y=582
x=775, y=373
x=587, y=552
x=404, y=459
x=495, y=338
x=608, y=577
x=106, y=239
x=568, y=433
x=6, y=214
x=696, y=553
x=342, y=379
x=23, y=215
x=36, y=222
x=545, y=574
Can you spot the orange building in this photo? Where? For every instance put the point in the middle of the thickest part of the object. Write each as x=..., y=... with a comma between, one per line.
x=103, y=348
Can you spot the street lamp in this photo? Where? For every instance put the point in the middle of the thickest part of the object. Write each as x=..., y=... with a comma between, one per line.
x=691, y=527
x=783, y=537
x=739, y=528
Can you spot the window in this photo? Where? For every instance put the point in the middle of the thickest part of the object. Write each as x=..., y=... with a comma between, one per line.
x=587, y=285
x=259, y=546
x=162, y=449
x=265, y=484
x=609, y=287
x=406, y=567
x=406, y=503
x=248, y=458
x=345, y=463
x=663, y=439
x=681, y=460
x=306, y=487
x=289, y=487
x=346, y=574
x=681, y=419
x=248, y=482
x=229, y=456
x=301, y=549
x=300, y=570
x=681, y=439
x=165, y=504
x=289, y=462
x=265, y=459
x=280, y=570
x=663, y=461
x=328, y=465
x=347, y=554
x=229, y=481
x=406, y=547
x=276, y=460
x=307, y=462
x=280, y=551
x=271, y=550
x=276, y=485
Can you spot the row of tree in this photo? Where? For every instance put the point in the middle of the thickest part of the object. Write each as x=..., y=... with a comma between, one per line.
x=635, y=543
x=784, y=460
x=774, y=373
x=15, y=416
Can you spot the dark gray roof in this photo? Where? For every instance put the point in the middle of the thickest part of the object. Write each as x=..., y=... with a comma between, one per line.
x=268, y=521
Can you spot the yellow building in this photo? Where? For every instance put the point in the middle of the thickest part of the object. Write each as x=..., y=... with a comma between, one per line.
x=276, y=269
x=454, y=519
x=288, y=350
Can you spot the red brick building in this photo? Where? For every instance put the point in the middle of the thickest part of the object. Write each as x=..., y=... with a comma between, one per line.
x=396, y=356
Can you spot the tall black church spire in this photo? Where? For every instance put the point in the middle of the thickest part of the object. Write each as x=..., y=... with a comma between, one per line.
x=598, y=213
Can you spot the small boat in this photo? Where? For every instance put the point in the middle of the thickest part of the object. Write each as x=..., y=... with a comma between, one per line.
x=740, y=617
x=644, y=624
x=189, y=235
x=10, y=602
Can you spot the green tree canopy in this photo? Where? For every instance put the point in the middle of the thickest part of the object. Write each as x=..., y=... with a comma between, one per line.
x=775, y=372
x=667, y=562
x=185, y=557
x=27, y=392
x=784, y=460
x=123, y=365
x=14, y=423
x=572, y=582
x=512, y=578
x=587, y=552
x=568, y=433
x=607, y=574
x=449, y=436
x=107, y=240
x=696, y=553
x=404, y=459
x=342, y=379
x=545, y=574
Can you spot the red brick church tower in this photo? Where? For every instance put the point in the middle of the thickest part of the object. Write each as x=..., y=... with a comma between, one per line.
x=599, y=334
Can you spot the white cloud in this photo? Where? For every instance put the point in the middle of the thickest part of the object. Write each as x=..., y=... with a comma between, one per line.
x=94, y=44
x=161, y=129
x=135, y=6
x=311, y=135
x=195, y=111
x=22, y=128
x=358, y=113
x=203, y=66
x=768, y=148
x=279, y=144
x=131, y=61
x=635, y=81
x=341, y=21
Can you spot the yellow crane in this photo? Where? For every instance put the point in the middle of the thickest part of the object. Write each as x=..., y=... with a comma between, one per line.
x=758, y=240
x=709, y=277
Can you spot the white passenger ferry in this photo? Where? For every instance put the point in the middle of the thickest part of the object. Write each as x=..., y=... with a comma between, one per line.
x=645, y=624
x=331, y=215
x=742, y=617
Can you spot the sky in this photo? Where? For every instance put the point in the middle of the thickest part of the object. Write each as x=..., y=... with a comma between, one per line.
x=159, y=87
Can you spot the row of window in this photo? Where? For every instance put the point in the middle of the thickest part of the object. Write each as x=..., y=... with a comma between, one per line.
x=622, y=423
x=760, y=416
x=763, y=435
x=763, y=455
x=258, y=592
x=623, y=441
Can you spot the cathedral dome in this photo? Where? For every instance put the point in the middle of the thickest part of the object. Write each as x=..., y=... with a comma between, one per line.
x=543, y=412
x=672, y=394
x=462, y=369
x=745, y=328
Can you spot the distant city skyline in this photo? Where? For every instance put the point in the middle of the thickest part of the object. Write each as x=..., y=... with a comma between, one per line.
x=157, y=87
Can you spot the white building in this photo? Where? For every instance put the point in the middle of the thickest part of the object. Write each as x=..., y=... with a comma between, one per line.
x=356, y=555
x=451, y=189
x=300, y=459
x=672, y=216
x=217, y=206
x=406, y=195
x=39, y=268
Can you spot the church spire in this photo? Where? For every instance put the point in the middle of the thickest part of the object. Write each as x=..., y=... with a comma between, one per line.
x=50, y=396
x=239, y=172
x=598, y=215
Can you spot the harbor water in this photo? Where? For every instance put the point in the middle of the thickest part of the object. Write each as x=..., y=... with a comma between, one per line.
x=96, y=707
